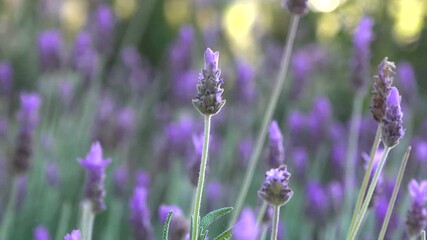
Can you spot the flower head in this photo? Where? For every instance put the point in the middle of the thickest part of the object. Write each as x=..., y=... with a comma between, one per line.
x=209, y=97
x=74, y=235
x=417, y=214
x=297, y=7
x=392, y=127
x=95, y=168
x=49, y=49
x=140, y=215
x=275, y=189
x=381, y=89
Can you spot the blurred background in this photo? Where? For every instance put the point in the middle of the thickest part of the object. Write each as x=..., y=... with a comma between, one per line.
x=124, y=72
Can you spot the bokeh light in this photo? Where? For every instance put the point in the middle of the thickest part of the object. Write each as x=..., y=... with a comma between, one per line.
x=323, y=5
x=73, y=14
x=409, y=19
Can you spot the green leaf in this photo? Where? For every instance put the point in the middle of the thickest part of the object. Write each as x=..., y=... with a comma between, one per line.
x=166, y=226
x=225, y=235
x=191, y=227
x=203, y=235
x=214, y=215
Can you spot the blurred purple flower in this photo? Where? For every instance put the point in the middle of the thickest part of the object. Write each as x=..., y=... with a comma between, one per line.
x=120, y=180
x=103, y=26
x=300, y=160
x=28, y=118
x=380, y=212
x=85, y=59
x=183, y=85
x=52, y=174
x=246, y=227
x=194, y=164
x=95, y=169
x=276, y=151
x=245, y=150
x=49, y=45
x=215, y=194
x=379, y=188
x=136, y=69
x=140, y=215
x=41, y=233
x=180, y=51
x=245, y=83
x=417, y=214
x=317, y=203
x=165, y=209
x=407, y=82
x=420, y=150
x=142, y=179
x=179, y=132
x=336, y=195
x=74, y=235
x=179, y=225
x=6, y=77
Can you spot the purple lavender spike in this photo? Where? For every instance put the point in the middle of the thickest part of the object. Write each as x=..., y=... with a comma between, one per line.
x=245, y=149
x=6, y=77
x=28, y=118
x=52, y=174
x=183, y=85
x=407, y=82
x=142, y=179
x=41, y=233
x=317, y=204
x=95, y=169
x=85, y=59
x=392, y=127
x=74, y=235
x=104, y=24
x=275, y=188
x=276, y=155
x=49, y=45
x=180, y=51
x=336, y=195
x=246, y=227
x=300, y=159
x=381, y=89
x=417, y=214
x=362, y=39
x=380, y=212
x=120, y=180
x=245, y=84
x=140, y=215
x=179, y=226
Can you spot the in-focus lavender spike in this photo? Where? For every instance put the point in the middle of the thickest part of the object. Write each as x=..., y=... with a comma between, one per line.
x=381, y=89
x=392, y=127
x=275, y=189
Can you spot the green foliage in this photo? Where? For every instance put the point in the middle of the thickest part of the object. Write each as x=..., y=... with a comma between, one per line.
x=166, y=226
x=225, y=235
x=214, y=215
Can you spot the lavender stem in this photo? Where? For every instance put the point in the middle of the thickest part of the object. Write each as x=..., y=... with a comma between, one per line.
x=275, y=222
x=87, y=219
x=203, y=163
x=263, y=233
x=423, y=235
x=355, y=228
x=267, y=119
x=394, y=195
x=8, y=216
x=368, y=171
x=353, y=138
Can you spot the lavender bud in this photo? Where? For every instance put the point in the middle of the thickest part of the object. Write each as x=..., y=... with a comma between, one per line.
x=276, y=155
x=362, y=39
x=28, y=118
x=246, y=227
x=275, y=189
x=41, y=233
x=179, y=225
x=209, y=92
x=381, y=89
x=392, y=128
x=140, y=215
x=6, y=77
x=95, y=169
x=49, y=49
x=74, y=235
x=297, y=7
x=416, y=219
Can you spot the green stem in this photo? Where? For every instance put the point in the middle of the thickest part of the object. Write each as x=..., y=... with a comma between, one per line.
x=9, y=216
x=423, y=235
x=261, y=213
x=275, y=222
x=87, y=219
x=361, y=215
x=267, y=119
x=264, y=233
x=362, y=192
x=203, y=163
x=394, y=195
x=353, y=138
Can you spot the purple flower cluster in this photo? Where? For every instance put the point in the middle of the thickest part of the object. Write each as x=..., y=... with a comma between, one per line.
x=179, y=226
x=392, y=125
x=417, y=214
x=95, y=165
x=275, y=189
x=246, y=227
x=140, y=215
x=276, y=154
x=74, y=235
x=381, y=89
x=6, y=77
x=28, y=118
x=209, y=97
x=41, y=233
x=50, y=49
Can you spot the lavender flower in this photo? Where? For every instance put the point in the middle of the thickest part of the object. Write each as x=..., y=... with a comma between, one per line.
x=317, y=203
x=362, y=39
x=417, y=214
x=120, y=180
x=104, y=23
x=392, y=128
x=6, y=76
x=74, y=235
x=52, y=174
x=179, y=225
x=381, y=89
x=275, y=189
x=380, y=212
x=336, y=195
x=49, y=48
x=95, y=168
x=140, y=215
x=142, y=179
x=407, y=82
x=300, y=160
x=297, y=7
x=276, y=155
x=41, y=233
x=246, y=227
x=245, y=84
x=84, y=57
x=180, y=51
x=28, y=118
x=209, y=97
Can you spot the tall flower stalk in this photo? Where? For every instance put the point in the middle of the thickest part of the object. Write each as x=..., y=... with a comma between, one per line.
x=208, y=102
x=256, y=152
